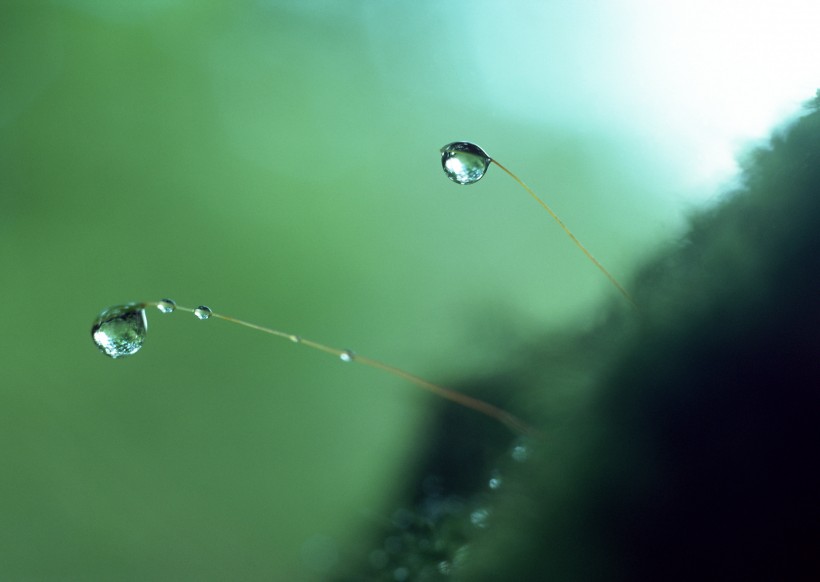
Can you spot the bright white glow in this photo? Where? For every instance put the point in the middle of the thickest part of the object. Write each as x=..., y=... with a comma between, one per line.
x=694, y=80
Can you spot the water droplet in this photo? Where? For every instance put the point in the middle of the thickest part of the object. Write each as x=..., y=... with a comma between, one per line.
x=347, y=356
x=464, y=162
x=520, y=451
x=479, y=517
x=167, y=306
x=120, y=331
x=203, y=312
x=495, y=480
x=296, y=339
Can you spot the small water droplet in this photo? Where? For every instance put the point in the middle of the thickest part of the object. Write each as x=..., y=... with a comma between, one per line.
x=520, y=451
x=347, y=356
x=120, y=331
x=479, y=517
x=296, y=339
x=203, y=312
x=464, y=162
x=167, y=306
x=495, y=480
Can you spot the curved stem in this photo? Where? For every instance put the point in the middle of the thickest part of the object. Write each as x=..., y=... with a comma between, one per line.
x=569, y=233
x=507, y=419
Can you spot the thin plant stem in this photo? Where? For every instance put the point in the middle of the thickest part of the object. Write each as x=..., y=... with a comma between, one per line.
x=507, y=419
x=569, y=233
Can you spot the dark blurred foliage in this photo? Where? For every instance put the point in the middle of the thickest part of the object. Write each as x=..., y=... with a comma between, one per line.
x=681, y=442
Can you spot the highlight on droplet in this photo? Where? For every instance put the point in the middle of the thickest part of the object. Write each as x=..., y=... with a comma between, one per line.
x=120, y=330
x=464, y=163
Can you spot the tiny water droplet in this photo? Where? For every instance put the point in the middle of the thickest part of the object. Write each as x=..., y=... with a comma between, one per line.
x=520, y=451
x=203, y=312
x=347, y=356
x=120, y=331
x=464, y=162
x=167, y=306
x=495, y=480
x=479, y=517
x=296, y=339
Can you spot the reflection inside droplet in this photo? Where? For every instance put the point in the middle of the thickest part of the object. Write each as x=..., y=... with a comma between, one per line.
x=203, y=312
x=120, y=331
x=464, y=162
x=167, y=306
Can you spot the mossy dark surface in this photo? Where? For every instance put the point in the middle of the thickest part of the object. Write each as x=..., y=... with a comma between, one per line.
x=681, y=442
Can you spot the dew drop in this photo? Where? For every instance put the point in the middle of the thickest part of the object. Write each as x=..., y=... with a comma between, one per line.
x=464, y=162
x=520, y=451
x=120, y=331
x=347, y=356
x=495, y=480
x=167, y=306
x=479, y=517
x=203, y=312
x=296, y=339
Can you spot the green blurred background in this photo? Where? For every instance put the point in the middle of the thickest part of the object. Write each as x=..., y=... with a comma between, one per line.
x=278, y=161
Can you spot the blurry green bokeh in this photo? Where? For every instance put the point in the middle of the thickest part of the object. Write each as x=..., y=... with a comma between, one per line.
x=278, y=163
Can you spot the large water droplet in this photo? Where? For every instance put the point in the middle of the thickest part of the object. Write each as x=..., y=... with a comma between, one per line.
x=347, y=356
x=119, y=331
x=167, y=306
x=203, y=312
x=464, y=162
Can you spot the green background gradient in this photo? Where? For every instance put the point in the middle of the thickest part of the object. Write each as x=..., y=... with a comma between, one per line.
x=280, y=164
